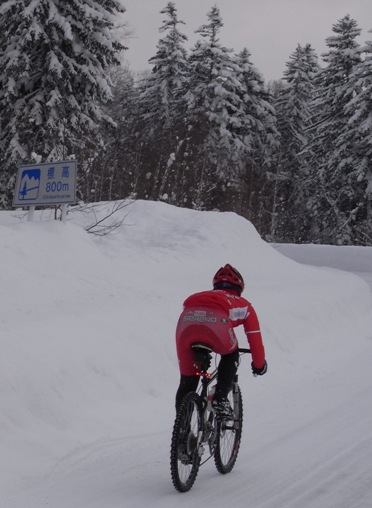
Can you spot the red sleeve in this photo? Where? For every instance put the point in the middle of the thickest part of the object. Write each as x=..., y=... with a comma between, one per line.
x=253, y=333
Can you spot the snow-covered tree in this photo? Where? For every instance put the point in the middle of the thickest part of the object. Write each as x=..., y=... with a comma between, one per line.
x=54, y=62
x=332, y=180
x=217, y=140
x=162, y=107
x=117, y=167
x=357, y=140
x=294, y=119
x=260, y=136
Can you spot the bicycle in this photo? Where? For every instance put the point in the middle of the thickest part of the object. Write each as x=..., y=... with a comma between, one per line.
x=196, y=428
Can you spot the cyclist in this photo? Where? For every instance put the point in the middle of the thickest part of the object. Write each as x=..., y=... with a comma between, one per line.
x=209, y=317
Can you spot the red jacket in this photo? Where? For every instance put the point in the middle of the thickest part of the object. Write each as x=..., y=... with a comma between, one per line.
x=239, y=311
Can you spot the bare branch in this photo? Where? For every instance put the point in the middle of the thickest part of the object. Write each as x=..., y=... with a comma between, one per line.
x=102, y=226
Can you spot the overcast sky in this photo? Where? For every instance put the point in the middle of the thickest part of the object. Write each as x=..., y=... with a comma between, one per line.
x=270, y=29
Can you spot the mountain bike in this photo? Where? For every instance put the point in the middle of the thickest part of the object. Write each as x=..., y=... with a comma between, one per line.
x=197, y=431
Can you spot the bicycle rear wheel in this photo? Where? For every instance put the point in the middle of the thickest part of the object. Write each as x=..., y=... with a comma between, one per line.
x=229, y=434
x=185, y=458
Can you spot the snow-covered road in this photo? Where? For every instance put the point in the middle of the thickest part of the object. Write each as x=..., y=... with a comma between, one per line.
x=307, y=443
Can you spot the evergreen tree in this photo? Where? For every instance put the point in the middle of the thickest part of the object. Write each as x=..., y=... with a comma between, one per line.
x=161, y=108
x=54, y=61
x=334, y=202
x=214, y=119
x=261, y=142
x=117, y=165
x=294, y=119
x=356, y=140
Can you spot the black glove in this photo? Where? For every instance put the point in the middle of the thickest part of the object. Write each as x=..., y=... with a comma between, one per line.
x=259, y=372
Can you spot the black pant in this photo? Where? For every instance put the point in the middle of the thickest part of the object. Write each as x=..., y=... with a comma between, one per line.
x=227, y=369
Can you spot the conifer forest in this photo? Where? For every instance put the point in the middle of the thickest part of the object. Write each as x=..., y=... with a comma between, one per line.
x=201, y=129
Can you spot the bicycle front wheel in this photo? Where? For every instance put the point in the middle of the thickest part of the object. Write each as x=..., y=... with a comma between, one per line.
x=229, y=434
x=185, y=457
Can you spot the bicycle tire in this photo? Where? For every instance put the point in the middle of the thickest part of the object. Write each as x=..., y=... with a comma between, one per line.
x=229, y=435
x=185, y=458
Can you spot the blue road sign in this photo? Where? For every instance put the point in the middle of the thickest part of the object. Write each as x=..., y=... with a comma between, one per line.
x=51, y=183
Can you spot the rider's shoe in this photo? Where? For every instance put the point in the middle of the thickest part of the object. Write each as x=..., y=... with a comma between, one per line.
x=223, y=409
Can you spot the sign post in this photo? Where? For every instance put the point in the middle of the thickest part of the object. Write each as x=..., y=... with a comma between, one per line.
x=52, y=183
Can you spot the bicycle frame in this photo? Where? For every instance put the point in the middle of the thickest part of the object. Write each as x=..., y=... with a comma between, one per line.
x=209, y=423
